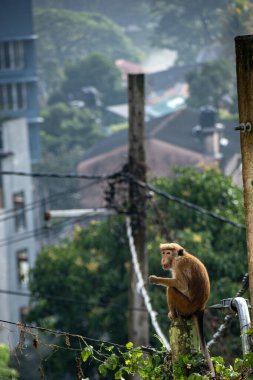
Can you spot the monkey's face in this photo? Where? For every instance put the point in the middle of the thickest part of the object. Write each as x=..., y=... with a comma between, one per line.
x=168, y=256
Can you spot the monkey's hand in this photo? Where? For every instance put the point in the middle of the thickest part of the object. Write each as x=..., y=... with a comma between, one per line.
x=153, y=280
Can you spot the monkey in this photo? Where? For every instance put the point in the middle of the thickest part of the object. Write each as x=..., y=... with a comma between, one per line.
x=187, y=291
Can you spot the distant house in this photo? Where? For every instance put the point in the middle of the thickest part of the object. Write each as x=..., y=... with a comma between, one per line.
x=177, y=139
x=166, y=91
x=18, y=80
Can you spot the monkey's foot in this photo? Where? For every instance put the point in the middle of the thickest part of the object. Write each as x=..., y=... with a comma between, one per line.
x=172, y=315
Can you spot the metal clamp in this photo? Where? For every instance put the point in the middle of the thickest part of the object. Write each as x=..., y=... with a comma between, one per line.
x=244, y=127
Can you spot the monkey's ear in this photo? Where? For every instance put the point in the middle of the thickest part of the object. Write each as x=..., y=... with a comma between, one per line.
x=181, y=252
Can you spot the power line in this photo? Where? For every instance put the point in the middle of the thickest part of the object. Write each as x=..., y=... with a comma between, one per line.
x=57, y=175
x=138, y=182
x=40, y=231
x=188, y=204
x=38, y=202
x=67, y=300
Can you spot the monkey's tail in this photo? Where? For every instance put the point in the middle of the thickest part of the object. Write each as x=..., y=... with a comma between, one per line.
x=199, y=319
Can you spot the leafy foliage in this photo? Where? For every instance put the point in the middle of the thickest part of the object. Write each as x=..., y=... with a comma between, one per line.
x=210, y=84
x=189, y=27
x=5, y=371
x=237, y=20
x=66, y=135
x=95, y=70
x=67, y=35
x=84, y=270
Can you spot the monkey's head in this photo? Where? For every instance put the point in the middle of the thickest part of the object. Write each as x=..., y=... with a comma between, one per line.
x=170, y=252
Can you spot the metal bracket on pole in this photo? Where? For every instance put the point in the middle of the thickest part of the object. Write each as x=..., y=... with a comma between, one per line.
x=240, y=306
x=244, y=127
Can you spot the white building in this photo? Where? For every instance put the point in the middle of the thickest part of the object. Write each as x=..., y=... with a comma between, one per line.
x=17, y=239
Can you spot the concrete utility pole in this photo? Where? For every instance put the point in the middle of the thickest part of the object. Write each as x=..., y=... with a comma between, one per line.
x=244, y=68
x=138, y=320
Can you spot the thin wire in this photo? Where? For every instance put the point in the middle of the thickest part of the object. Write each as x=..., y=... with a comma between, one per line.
x=68, y=300
x=37, y=203
x=41, y=230
x=141, y=286
x=57, y=175
x=138, y=182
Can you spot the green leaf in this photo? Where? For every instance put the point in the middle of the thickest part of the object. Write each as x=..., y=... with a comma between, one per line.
x=129, y=345
x=86, y=353
x=102, y=369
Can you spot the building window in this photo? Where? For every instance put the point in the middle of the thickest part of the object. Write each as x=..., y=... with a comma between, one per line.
x=13, y=97
x=23, y=268
x=11, y=55
x=19, y=209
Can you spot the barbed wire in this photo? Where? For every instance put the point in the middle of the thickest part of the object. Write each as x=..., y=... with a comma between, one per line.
x=25, y=328
x=141, y=285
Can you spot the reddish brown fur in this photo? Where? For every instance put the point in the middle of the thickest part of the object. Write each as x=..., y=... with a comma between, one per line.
x=189, y=288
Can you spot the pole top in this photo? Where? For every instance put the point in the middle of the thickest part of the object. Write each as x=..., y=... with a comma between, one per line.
x=244, y=37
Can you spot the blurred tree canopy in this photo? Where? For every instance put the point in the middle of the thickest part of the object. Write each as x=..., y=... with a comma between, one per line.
x=191, y=26
x=66, y=135
x=186, y=26
x=92, y=268
x=211, y=84
x=67, y=35
x=70, y=125
x=94, y=70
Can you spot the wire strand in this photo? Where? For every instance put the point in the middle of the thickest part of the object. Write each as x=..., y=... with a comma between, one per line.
x=188, y=204
x=64, y=175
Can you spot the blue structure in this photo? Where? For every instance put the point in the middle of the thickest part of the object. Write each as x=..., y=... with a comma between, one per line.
x=18, y=81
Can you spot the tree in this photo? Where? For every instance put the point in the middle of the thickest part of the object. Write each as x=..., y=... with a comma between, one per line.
x=210, y=84
x=92, y=268
x=236, y=21
x=66, y=135
x=83, y=270
x=187, y=26
x=94, y=70
x=66, y=35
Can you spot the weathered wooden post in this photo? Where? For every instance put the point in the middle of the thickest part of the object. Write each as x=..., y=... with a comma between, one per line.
x=183, y=338
x=138, y=316
x=244, y=69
